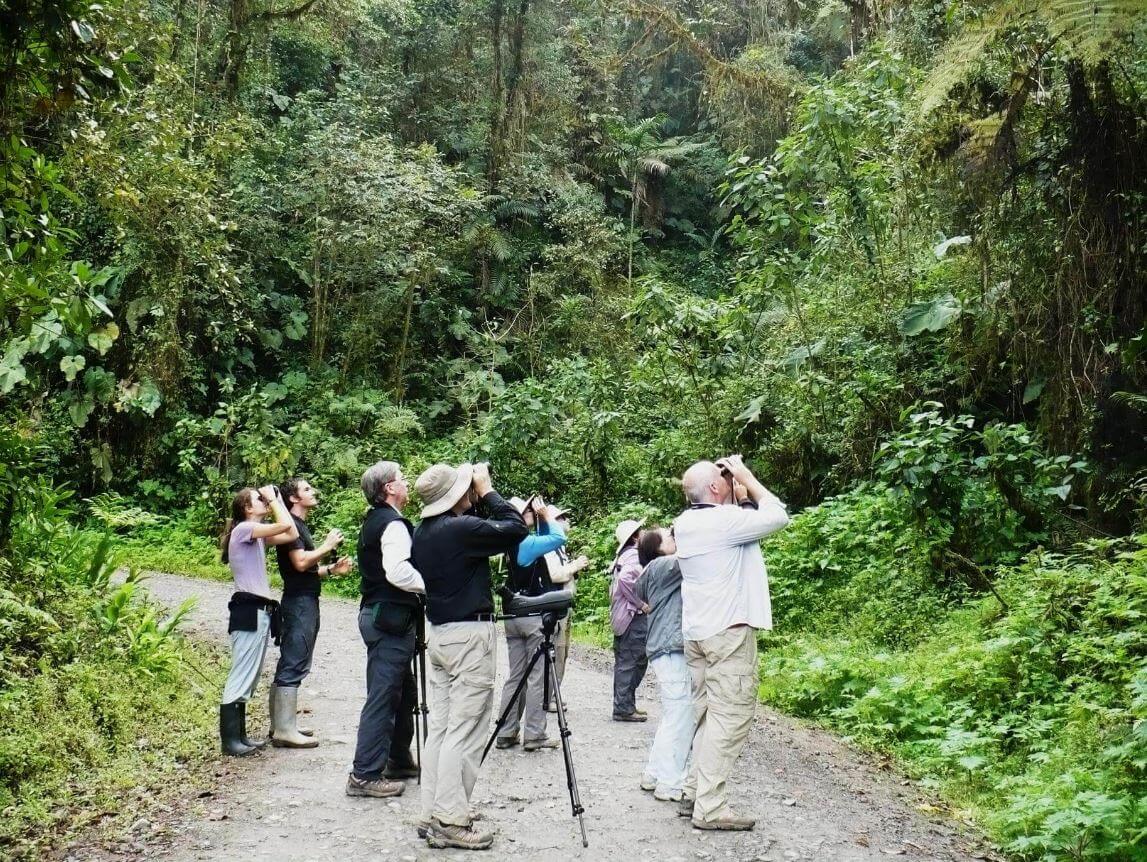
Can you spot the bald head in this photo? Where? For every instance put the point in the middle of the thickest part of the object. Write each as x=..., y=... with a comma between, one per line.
x=703, y=483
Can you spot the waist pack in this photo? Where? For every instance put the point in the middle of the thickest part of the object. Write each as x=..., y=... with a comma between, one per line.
x=393, y=619
x=244, y=614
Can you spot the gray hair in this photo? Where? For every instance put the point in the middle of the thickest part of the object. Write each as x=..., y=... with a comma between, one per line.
x=375, y=479
x=697, y=479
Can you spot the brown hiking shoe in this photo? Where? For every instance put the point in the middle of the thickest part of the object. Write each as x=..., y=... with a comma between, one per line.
x=538, y=744
x=726, y=823
x=380, y=788
x=441, y=835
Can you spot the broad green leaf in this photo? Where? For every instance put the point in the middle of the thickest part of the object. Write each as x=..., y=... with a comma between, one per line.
x=930, y=316
x=72, y=365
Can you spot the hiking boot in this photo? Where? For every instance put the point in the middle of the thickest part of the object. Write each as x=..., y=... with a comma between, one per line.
x=397, y=769
x=538, y=744
x=685, y=807
x=632, y=716
x=726, y=823
x=505, y=742
x=648, y=783
x=662, y=794
x=379, y=788
x=441, y=835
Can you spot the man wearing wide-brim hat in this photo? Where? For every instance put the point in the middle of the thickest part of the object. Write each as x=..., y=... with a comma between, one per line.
x=629, y=623
x=453, y=546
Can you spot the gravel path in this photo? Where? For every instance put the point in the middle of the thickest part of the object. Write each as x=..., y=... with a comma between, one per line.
x=813, y=797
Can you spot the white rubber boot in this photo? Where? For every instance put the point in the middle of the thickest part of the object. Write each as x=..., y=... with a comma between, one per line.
x=284, y=733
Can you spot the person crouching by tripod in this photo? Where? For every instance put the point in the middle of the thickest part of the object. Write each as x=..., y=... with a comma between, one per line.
x=659, y=587
x=387, y=620
x=452, y=546
x=300, y=565
x=629, y=623
x=528, y=575
x=563, y=575
x=251, y=607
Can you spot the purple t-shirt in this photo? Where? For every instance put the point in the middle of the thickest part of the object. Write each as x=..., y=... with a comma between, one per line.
x=247, y=557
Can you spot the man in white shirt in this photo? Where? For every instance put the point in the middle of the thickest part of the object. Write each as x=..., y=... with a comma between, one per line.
x=387, y=621
x=724, y=600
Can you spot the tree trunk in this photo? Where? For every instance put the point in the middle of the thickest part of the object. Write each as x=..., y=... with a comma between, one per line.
x=497, y=117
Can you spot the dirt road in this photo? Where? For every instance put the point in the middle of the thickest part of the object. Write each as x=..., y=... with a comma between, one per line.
x=814, y=798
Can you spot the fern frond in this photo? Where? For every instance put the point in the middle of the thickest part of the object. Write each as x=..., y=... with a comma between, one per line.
x=1084, y=29
x=1131, y=399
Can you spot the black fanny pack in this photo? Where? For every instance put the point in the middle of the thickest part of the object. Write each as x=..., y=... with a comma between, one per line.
x=244, y=614
x=392, y=618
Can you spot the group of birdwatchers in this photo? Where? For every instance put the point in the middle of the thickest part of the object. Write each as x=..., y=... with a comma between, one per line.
x=687, y=600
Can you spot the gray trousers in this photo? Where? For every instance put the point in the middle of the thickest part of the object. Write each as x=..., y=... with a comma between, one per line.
x=297, y=644
x=561, y=653
x=387, y=669
x=523, y=636
x=629, y=663
x=248, y=649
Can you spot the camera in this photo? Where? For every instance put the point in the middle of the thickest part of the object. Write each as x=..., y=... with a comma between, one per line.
x=514, y=604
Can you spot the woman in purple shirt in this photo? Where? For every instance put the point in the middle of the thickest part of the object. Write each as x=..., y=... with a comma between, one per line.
x=244, y=542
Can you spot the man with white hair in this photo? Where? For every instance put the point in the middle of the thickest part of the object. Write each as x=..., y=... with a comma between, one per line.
x=724, y=600
x=387, y=620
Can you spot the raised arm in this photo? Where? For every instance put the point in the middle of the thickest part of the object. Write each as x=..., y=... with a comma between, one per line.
x=283, y=530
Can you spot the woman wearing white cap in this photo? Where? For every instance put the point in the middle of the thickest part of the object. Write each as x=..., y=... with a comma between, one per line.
x=629, y=623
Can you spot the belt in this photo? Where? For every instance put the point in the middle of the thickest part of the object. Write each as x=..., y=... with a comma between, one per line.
x=474, y=618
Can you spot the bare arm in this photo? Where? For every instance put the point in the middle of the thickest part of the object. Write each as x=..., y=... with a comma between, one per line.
x=283, y=530
x=303, y=559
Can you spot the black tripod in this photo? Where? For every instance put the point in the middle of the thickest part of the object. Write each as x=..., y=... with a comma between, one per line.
x=421, y=709
x=546, y=650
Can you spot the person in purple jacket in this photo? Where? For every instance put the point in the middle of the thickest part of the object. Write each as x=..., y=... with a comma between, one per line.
x=629, y=623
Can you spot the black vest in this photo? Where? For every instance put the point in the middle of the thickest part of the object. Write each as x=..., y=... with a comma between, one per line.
x=375, y=586
x=532, y=580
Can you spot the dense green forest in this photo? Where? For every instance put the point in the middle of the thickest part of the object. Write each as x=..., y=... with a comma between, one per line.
x=894, y=251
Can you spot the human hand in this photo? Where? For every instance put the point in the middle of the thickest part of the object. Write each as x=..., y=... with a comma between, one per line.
x=734, y=465
x=269, y=494
x=481, y=479
x=740, y=492
x=645, y=607
x=580, y=563
x=333, y=540
x=538, y=506
x=344, y=565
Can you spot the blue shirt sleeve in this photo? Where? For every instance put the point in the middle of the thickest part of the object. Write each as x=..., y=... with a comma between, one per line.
x=539, y=544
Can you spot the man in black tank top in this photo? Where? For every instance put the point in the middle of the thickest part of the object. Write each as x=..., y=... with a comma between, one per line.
x=387, y=621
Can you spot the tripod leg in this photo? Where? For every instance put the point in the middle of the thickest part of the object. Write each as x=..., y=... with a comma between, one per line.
x=571, y=773
x=417, y=711
x=538, y=653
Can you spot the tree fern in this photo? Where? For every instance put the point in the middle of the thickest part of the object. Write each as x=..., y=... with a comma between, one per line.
x=1083, y=29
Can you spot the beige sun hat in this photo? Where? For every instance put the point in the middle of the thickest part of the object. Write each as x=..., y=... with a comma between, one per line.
x=555, y=512
x=520, y=504
x=441, y=486
x=626, y=531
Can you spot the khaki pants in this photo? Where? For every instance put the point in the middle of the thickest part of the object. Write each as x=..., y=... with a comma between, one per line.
x=723, y=670
x=461, y=664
